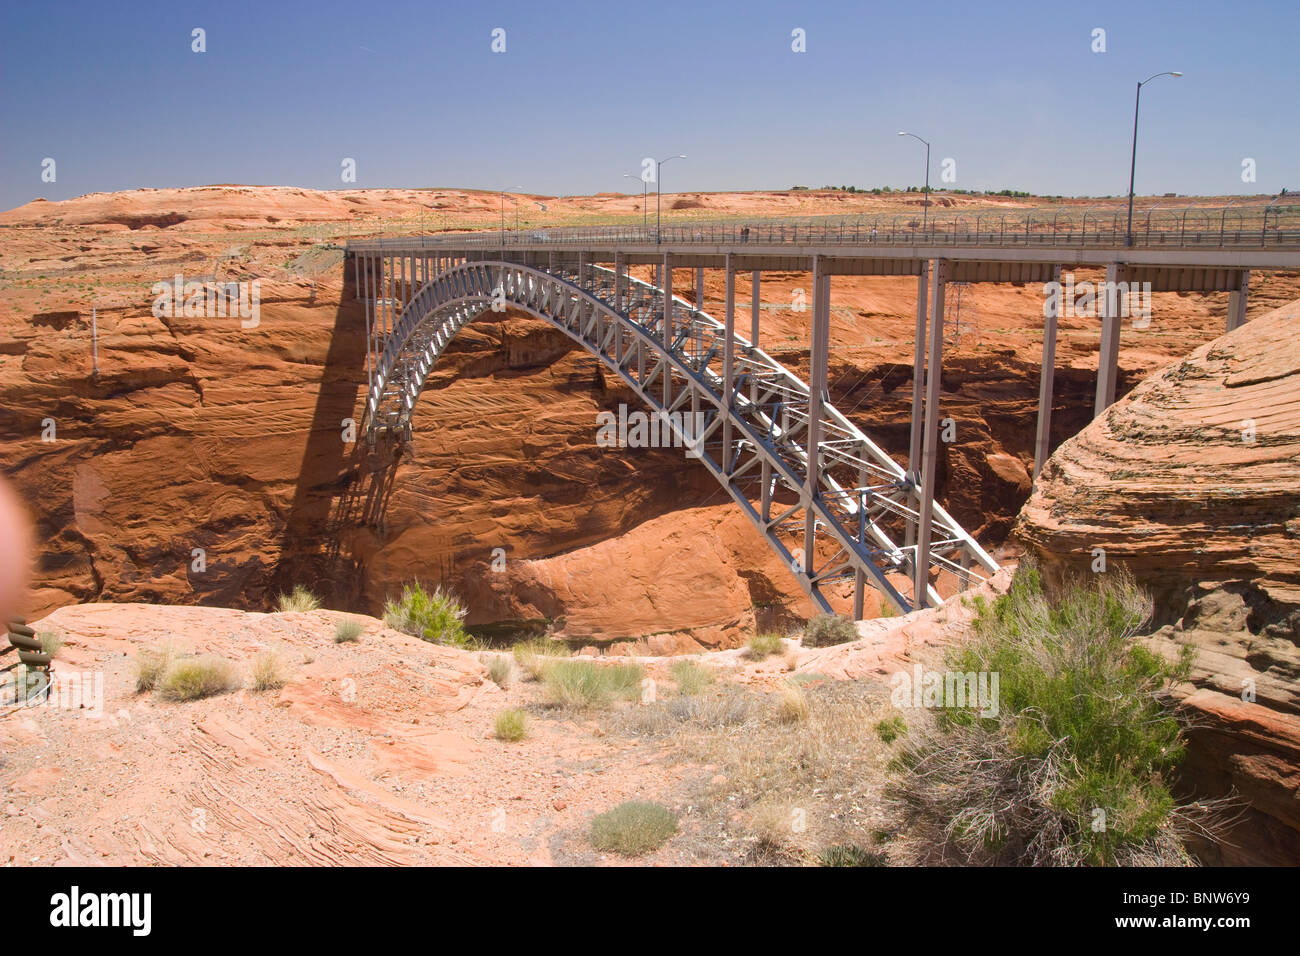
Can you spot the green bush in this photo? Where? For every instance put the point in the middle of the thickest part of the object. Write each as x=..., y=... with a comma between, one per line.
x=572, y=683
x=827, y=629
x=1073, y=768
x=432, y=616
x=190, y=678
x=763, y=645
x=891, y=728
x=511, y=725
x=348, y=631
x=300, y=599
x=633, y=828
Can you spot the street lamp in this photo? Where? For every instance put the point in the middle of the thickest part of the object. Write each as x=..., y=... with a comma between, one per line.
x=925, y=205
x=503, y=212
x=1128, y=235
x=645, y=212
x=659, y=189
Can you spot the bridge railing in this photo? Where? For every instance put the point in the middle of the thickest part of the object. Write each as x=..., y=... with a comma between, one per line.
x=1272, y=224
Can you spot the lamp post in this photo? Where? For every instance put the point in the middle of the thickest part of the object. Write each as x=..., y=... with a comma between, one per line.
x=659, y=189
x=645, y=212
x=925, y=205
x=503, y=212
x=1132, y=168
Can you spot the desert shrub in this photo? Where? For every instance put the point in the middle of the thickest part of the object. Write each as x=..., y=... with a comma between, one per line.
x=511, y=725
x=299, y=599
x=826, y=629
x=848, y=854
x=150, y=663
x=348, y=631
x=763, y=645
x=51, y=642
x=691, y=678
x=499, y=669
x=572, y=683
x=891, y=728
x=633, y=828
x=267, y=672
x=791, y=704
x=533, y=656
x=190, y=678
x=432, y=616
x=1072, y=769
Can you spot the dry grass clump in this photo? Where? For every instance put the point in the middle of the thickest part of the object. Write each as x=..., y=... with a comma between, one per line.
x=150, y=663
x=582, y=684
x=348, y=631
x=51, y=642
x=268, y=672
x=499, y=669
x=633, y=828
x=300, y=599
x=690, y=677
x=792, y=703
x=511, y=725
x=533, y=656
x=763, y=645
x=192, y=678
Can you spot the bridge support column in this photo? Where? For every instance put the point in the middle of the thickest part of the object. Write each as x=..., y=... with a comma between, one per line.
x=667, y=286
x=817, y=361
x=754, y=308
x=918, y=388
x=699, y=288
x=728, y=369
x=1237, y=302
x=1043, y=441
x=1108, y=353
x=929, y=446
x=620, y=280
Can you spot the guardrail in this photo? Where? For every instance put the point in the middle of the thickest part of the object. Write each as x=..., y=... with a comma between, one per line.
x=1263, y=226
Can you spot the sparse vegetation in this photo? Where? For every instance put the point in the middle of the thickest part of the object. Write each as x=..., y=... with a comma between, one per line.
x=573, y=683
x=1072, y=770
x=511, y=725
x=850, y=855
x=348, y=631
x=299, y=599
x=499, y=669
x=434, y=617
x=827, y=629
x=191, y=678
x=150, y=663
x=51, y=642
x=691, y=678
x=633, y=828
x=891, y=728
x=533, y=656
x=763, y=645
x=792, y=704
x=268, y=673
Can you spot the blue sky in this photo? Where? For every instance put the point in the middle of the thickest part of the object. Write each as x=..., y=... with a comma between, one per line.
x=412, y=91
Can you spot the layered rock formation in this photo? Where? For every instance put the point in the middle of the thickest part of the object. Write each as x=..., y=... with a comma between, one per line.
x=197, y=433
x=1193, y=482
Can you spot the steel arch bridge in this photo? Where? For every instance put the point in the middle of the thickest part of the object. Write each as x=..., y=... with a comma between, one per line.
x=751, y=422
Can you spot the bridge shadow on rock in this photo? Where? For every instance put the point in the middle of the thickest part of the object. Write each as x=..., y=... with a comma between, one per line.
x=342, y=488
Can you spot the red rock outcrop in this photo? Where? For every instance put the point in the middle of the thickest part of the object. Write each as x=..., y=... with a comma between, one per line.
x=1191, y=482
